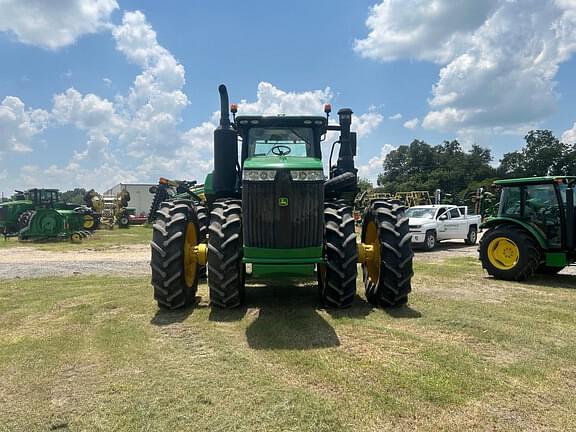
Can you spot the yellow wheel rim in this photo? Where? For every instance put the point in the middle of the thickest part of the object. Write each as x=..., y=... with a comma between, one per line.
x=76, y=237
x=503, y=253
x=190, y=264
x=373, y=261
x=88, y=222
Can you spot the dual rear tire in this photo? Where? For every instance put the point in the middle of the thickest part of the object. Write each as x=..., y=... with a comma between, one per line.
x=387, y=271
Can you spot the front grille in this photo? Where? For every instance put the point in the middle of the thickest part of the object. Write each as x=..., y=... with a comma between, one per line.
x=267, y=224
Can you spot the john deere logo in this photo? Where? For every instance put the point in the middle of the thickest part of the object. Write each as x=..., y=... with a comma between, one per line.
x=283, y=202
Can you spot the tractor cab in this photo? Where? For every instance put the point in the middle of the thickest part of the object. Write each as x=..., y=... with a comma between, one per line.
x=534, y=228
x=43, y=198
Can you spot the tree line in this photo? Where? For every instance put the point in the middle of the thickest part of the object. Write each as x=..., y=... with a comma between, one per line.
x=421, y=166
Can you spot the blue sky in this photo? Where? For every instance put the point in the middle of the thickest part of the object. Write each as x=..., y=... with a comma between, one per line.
x=93, y=93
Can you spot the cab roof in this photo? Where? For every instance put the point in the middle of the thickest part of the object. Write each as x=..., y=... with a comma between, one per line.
x=281, y=120
x=535, y=180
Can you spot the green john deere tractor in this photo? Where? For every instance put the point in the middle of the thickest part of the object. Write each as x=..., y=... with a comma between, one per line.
x=273, y=214
x=41, y=214
x=534, y=229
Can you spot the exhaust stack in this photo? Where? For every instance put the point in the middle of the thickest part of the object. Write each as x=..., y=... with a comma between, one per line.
x=225, y=151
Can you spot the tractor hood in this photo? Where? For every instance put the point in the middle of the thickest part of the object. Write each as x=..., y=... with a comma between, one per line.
x=15, y=203
x=279, y=162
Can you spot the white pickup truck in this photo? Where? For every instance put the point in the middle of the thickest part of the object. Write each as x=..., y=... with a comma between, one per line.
x=430, y=224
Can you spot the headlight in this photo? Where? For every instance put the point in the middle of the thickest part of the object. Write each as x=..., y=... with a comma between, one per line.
x=258, y=175
x=307, y=175
x=415, y=227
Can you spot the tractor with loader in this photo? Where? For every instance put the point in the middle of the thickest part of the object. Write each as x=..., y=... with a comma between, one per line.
x=534, y=230
x=273, y=214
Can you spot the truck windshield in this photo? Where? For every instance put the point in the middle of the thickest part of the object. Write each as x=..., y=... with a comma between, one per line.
x=419, y=212
x=294, y=141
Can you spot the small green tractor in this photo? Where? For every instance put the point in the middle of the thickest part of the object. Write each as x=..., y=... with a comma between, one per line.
x=533, y=231
x=273, y=214
x=41, y=214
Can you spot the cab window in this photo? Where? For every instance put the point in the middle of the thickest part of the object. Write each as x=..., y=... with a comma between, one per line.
x=454, y=213
x=289, y=141
x=542, y=210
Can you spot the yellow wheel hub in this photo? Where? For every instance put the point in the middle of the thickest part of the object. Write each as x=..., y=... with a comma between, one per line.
x=190, y=257
x=503, y=253
x=76, y=238
x=370, y=255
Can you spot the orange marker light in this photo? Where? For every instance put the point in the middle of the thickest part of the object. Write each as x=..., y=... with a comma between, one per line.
x=234, y=108
x=327, y=108
x=163, y=180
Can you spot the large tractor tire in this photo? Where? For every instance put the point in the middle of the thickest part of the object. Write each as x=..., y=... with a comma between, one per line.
x=174, y=269
x=337, y=278
x=226, y=270
x=388, y=272
x=509, y=252
x=24, y=219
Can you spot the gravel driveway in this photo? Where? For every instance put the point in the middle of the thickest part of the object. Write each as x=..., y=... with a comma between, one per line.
x=25, y=262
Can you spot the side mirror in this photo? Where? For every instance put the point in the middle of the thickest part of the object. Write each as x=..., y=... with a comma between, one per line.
x=443, y=217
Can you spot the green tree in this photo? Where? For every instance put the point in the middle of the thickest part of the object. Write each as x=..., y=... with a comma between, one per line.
x=543, y=154
x=75, y=196
x=364, y=184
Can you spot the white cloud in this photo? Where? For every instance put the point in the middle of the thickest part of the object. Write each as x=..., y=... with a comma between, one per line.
x=88, y=112
x=374, y=165
x=411, y=124
x=569, y=136
x=396, y=116
x=271, y=100
x=421, y=29
x=154, y=105
x=499, y=57
x=51, y=24
x=19, y=125
x=365, y=123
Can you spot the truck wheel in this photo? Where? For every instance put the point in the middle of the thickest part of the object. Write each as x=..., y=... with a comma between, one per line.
x=388, y=274
x=123, y=222
x=203, y=223
x=174, y=271
x=337, y=277
x=225, y=266
x=509, y=252
x=472, y=236
x=430, y=240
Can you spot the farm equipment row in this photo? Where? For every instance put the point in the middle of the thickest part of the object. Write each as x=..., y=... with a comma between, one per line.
x=41, y=214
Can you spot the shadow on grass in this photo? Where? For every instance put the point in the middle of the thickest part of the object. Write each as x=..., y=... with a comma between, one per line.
x=283, y=316
x=166, y=316
x=404, y=311
x=553, y=281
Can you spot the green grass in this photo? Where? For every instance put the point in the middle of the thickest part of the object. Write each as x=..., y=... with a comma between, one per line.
x=470, y=353
x=100, y=240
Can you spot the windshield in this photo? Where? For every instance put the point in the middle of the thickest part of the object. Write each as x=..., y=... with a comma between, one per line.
x=281, y=142
x=420, y=212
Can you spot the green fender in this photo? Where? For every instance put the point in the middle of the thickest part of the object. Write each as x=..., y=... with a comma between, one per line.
x=492, y=222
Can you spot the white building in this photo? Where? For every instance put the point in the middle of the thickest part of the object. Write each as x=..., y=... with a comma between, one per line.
x=140, y=196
